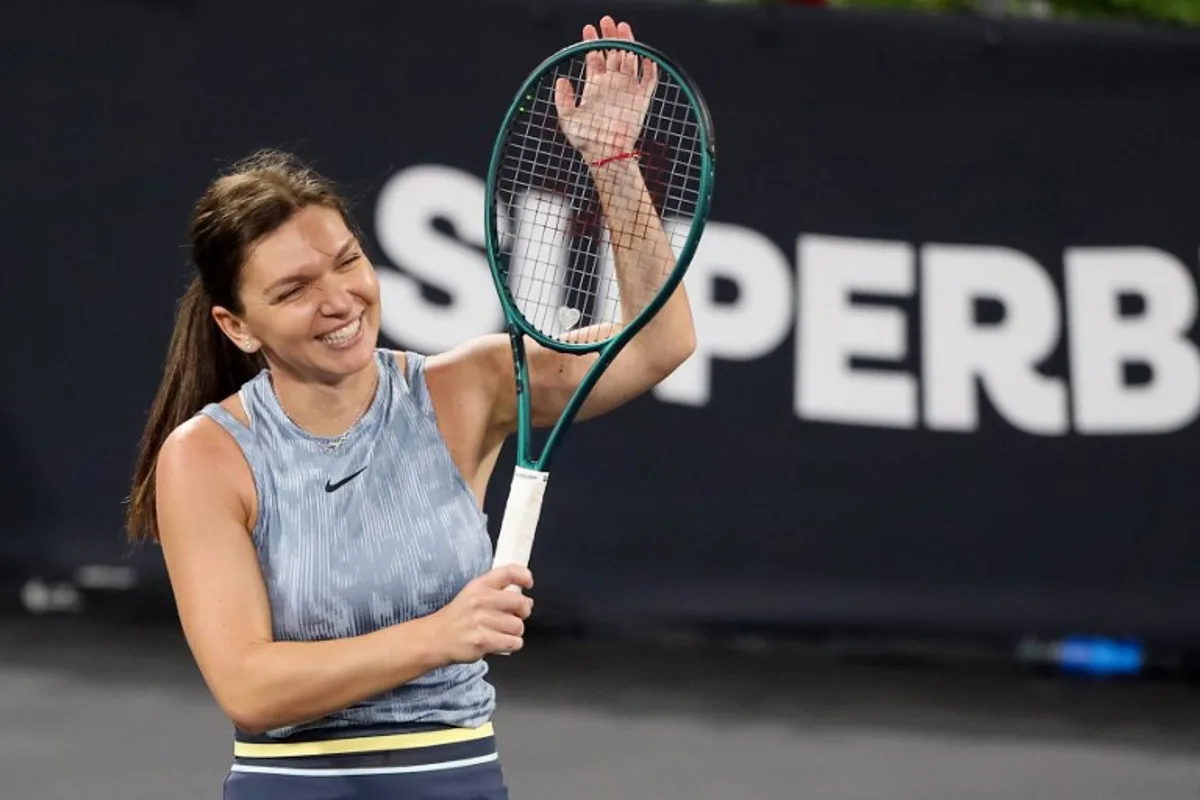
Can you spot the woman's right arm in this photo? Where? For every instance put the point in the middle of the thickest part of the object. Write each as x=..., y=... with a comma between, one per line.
x=203, y=515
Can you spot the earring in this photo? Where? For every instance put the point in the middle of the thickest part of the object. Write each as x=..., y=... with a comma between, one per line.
x=248, y=346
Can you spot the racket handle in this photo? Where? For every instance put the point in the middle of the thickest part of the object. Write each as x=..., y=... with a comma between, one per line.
x=515, y=541
x=517, y=528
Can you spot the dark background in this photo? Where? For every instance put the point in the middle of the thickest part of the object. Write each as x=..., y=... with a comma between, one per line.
x=1034, y=136
x=733, y=601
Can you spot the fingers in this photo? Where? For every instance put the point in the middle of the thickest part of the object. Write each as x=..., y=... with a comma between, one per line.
x=506, y=624
x=612, y=60
x=629, y=63
x=595, y=58
x=492, y=641
x=564, y=97
x=649, y=74
x=629, y=60
x=507, y=644
x=507, y=575
x=513, y=603
x=506, y=632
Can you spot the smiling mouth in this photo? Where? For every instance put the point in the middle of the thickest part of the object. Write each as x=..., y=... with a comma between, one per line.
x=343, y=334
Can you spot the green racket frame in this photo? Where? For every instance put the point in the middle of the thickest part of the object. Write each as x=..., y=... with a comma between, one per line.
x=608, y=349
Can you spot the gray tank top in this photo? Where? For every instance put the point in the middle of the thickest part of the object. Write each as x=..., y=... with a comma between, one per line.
x=365, y=531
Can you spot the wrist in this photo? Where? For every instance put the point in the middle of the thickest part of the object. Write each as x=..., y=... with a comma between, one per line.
x=423, y=644
x=609, y=159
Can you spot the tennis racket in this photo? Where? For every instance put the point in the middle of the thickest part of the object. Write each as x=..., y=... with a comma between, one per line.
x=548, y=237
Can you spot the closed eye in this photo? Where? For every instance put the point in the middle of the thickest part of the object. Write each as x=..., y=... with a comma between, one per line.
x=288, y=293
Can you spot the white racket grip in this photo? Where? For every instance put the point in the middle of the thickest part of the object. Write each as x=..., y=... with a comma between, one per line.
x=514, y=544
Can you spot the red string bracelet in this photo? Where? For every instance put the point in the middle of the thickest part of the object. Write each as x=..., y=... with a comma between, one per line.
x=619, y=156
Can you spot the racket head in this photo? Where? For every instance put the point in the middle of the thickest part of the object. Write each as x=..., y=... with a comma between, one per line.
x=552, y=272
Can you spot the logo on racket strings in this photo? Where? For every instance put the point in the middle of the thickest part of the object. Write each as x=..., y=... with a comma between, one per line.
x=567, y=318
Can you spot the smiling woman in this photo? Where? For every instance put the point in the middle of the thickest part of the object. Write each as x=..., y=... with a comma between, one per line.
x=282, y=442
x=317, y=499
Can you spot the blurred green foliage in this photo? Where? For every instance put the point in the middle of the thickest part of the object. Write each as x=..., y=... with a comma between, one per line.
x=1184, y=12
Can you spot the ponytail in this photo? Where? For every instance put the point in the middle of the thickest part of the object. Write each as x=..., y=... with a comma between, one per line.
x=202, y=367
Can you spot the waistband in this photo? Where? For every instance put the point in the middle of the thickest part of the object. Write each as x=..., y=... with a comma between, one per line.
x=373, y=750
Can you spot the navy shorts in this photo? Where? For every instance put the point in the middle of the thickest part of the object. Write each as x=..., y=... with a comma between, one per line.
x=376, y=764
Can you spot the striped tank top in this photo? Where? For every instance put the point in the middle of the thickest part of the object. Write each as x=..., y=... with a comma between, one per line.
x=366, y=530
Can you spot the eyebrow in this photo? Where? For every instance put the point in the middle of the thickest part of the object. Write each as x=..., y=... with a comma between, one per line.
x=286, y=279
x=345, y=248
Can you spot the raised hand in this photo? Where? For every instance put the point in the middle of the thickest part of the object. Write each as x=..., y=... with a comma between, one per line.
x=606, y=119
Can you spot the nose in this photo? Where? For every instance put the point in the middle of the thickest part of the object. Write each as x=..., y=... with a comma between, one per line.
x=337, y=300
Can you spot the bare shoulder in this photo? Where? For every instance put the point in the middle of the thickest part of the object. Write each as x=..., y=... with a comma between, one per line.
x=200, y=464
x=200, y=442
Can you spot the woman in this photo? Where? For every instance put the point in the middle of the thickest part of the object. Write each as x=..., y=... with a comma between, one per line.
x=318, y=500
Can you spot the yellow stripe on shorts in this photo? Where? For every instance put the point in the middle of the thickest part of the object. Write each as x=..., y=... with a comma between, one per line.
x=362, y=744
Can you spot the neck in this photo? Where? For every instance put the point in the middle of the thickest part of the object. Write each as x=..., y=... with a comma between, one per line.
x=325, y=409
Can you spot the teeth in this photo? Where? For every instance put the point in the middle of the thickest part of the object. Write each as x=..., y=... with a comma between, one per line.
x=342, y=334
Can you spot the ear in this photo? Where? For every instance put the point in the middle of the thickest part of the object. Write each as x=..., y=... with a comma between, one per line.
x=233, y=327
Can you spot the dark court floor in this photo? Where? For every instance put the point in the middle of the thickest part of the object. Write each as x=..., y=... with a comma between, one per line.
x=107, y=711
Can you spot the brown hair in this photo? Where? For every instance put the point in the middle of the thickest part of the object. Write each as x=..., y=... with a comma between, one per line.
x=257, y=196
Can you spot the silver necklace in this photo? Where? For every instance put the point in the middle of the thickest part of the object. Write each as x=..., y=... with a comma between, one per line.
x=331, y=445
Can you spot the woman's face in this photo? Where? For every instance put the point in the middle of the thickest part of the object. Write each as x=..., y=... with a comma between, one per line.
x=310, y=298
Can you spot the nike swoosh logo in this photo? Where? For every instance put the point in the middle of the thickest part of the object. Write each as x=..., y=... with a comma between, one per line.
x=333, y=487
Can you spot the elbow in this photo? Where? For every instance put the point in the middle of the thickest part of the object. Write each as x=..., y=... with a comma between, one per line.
x=251, y=699
x=256, y=720
x=671, y=358
x=249, y=725
x=249, y=716
x=251, y=706
x=252, y=726
x=687, y=346
x=256, y=714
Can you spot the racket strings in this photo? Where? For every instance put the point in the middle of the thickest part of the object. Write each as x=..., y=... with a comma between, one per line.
x=542, y=203
x=567, y=273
